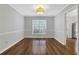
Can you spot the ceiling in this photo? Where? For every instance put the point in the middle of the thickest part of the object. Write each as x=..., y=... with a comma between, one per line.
x=29, y=9
x=72, y=13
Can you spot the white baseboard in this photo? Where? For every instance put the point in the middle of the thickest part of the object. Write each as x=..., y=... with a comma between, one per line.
x=11, y=45
x=38, y=37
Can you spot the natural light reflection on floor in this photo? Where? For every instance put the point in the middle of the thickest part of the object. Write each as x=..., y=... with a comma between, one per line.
x=39, y=46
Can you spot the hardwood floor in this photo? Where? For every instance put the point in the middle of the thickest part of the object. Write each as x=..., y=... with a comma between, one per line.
x=71, y=46
x=29, y=46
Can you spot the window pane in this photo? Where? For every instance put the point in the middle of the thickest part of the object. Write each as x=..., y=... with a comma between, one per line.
x=39, y=26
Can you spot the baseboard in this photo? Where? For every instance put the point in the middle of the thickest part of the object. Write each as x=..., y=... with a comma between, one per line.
x=11, y=45
x=38, y=37
x=59, y=42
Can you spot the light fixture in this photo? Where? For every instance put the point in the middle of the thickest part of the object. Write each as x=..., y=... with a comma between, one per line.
x=40, y=10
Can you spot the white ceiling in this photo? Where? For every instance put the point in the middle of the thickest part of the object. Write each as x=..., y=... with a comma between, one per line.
x=72, y=13
x=29, y=9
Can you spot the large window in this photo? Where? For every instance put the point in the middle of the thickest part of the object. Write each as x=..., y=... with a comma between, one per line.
x=39, y=26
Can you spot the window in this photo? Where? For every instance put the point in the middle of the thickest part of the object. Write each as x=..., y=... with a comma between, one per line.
x=39, y=26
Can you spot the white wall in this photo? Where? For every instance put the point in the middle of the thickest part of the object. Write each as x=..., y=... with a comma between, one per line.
x=70, y=20
x=11, y=27
x=60, y=28
x=60, y=24
x=28, y=26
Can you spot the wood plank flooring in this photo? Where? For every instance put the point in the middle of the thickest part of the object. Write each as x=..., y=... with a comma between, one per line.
x=37, y=46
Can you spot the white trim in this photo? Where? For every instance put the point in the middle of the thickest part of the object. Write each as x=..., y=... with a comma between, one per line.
x=67, y=8
x=15, y=9
x=11, y=45
x=6, y=33
x=62, y=9
x=61, y=40
x=39, y=36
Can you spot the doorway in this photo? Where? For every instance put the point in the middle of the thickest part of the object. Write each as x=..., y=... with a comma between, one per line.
x=72, y=30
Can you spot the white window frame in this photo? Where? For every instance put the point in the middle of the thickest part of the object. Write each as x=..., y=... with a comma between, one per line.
x=39, y=25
